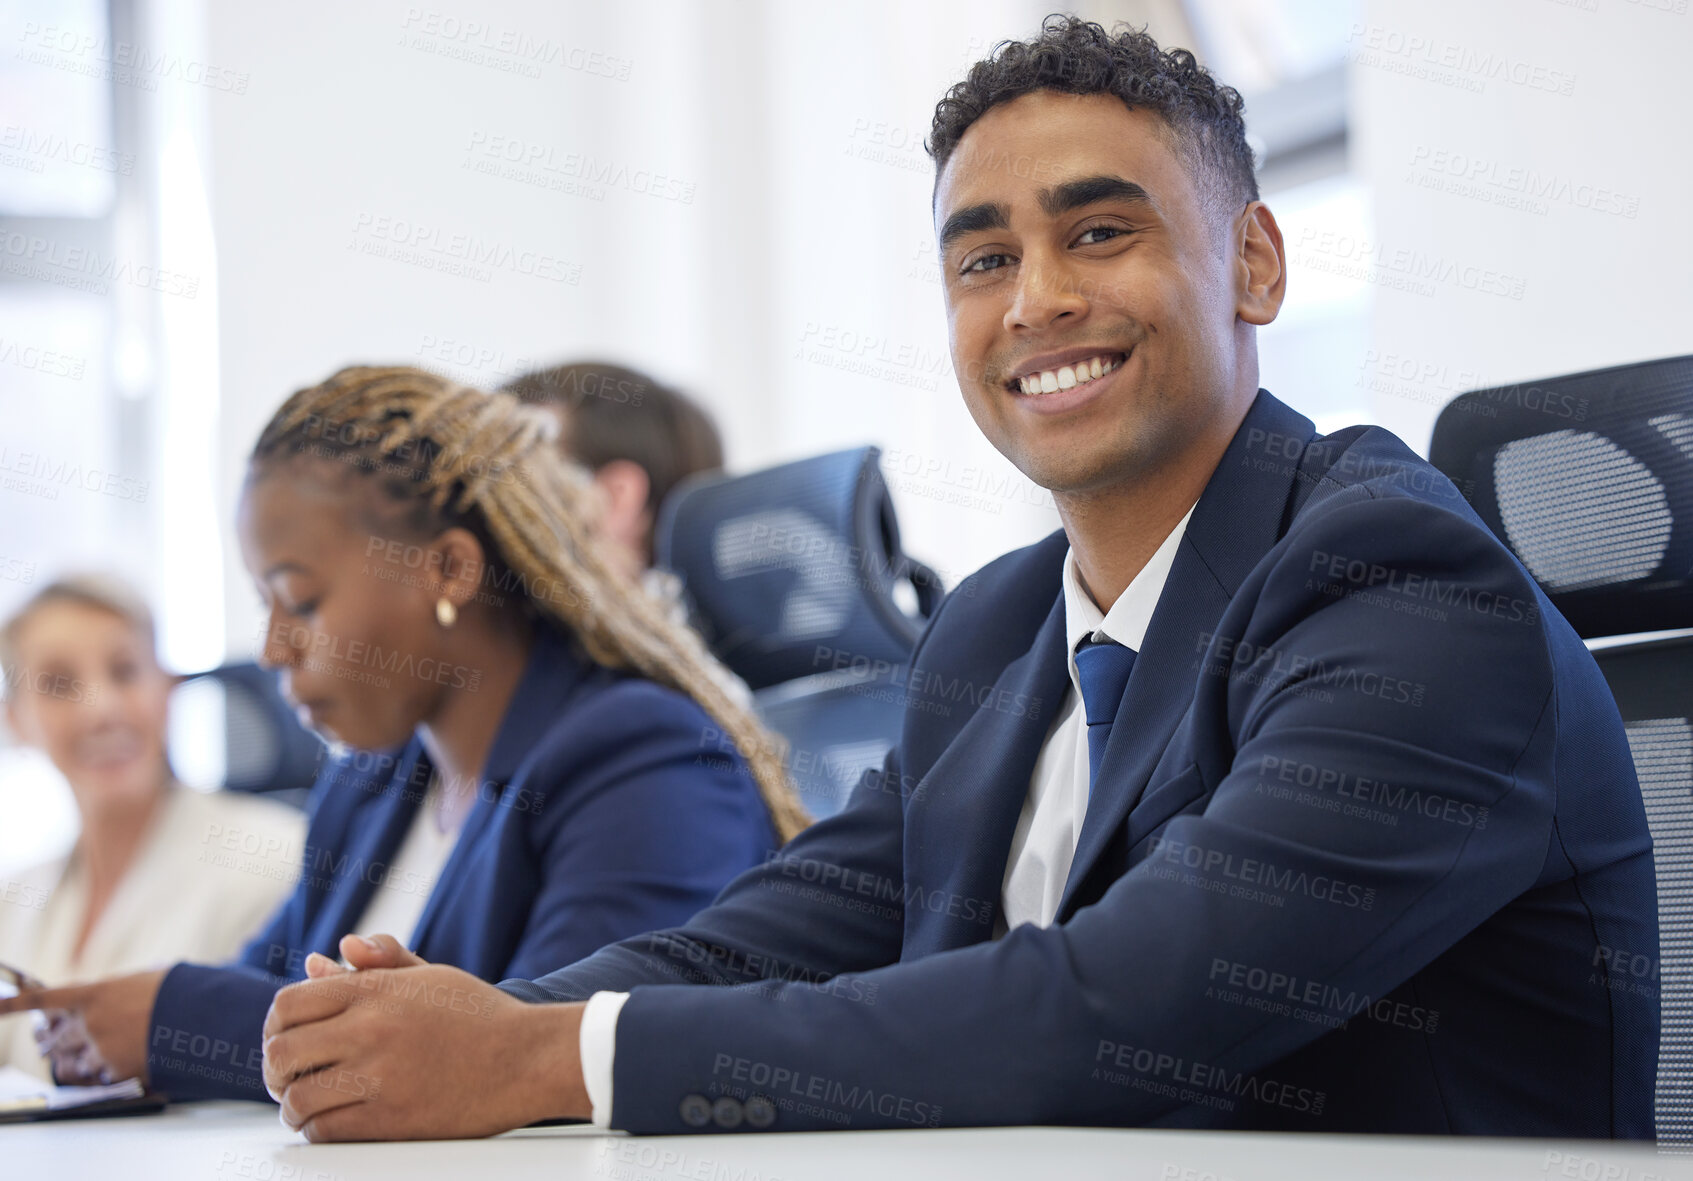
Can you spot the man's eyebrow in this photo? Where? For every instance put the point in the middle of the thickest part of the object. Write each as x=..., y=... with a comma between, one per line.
x=988, y=215
x=1073, y=194
x=1059, y=199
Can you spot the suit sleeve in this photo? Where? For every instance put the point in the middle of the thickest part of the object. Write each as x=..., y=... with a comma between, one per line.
x=828, y=902
x=1117, y=1017
x=799, y=915
x=203, y=1040
x=203, y=1034
x=658, y=815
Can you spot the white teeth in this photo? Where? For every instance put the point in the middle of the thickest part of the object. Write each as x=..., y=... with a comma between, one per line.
x=1065, y=377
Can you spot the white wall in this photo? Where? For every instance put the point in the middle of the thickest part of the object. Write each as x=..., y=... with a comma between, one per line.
x=798, y=251
x=791, y=285
x=1597, y=270
x=792, y=245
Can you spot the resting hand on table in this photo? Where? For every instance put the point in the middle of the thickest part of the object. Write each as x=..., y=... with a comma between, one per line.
x=399, y=1049
x=110, y=1041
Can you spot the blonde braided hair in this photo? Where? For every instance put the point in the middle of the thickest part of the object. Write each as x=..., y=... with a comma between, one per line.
x=491, y=464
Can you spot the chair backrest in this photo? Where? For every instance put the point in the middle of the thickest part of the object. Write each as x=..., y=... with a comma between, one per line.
x=1652, y=681
x=1589, y=479
x=795, y=576
x=231, y=728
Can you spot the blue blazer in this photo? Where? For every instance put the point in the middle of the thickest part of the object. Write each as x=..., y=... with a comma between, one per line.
x=1364, y=845
x=608, y=806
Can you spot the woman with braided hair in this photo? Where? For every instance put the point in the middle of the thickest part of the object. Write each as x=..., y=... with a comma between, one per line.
x=533, y=759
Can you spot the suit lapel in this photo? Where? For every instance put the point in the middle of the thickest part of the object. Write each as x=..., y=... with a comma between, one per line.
x=373, y=836
x=964, y=811
x=550, y=678
x=1240, y=516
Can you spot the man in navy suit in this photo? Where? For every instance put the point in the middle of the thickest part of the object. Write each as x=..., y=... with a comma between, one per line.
x=1325, y=821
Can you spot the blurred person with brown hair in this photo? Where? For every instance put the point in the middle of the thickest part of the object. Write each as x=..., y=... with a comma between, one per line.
x=639, y=438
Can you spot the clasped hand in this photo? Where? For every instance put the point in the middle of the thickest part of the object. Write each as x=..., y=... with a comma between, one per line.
x=395, y=1048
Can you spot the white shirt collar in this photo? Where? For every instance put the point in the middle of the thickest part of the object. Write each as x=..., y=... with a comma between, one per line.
x=1127, y=620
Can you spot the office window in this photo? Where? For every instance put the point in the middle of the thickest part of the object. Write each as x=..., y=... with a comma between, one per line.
x=107, y=337
x=1287, y=57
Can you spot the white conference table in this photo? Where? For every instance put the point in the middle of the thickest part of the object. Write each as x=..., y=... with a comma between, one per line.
x=245, y=1142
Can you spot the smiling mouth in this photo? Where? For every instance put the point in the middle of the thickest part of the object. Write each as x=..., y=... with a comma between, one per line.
x=1066, y=377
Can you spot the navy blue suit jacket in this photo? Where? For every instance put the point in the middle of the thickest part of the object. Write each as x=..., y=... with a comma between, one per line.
x=608, y=806
x=1364, y=842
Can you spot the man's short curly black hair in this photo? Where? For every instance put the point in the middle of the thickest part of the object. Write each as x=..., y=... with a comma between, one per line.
x=1079, y=57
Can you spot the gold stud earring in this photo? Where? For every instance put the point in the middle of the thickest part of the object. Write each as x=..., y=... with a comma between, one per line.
x=445, y=613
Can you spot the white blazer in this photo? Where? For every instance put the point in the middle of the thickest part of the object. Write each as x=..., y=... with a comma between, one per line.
x=211, y=871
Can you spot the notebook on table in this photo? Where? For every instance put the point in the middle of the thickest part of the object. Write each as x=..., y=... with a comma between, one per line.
x=25, y=1097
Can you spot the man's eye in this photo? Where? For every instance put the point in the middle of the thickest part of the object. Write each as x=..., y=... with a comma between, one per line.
x=302, y=609
x=1106, y=233
x=989, y=262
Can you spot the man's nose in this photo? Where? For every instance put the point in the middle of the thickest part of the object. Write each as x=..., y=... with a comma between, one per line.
x=1045, y=293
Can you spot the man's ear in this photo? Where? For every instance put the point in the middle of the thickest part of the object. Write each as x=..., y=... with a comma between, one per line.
x=1261, y=265
x=624, y=487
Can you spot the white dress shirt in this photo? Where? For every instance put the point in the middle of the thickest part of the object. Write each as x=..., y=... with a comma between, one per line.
x=409, y=878
x=211, y=869
x=1044, y=843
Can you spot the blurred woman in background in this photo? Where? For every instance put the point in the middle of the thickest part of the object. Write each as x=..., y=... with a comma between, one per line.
x=138, y=889
x=541, y=760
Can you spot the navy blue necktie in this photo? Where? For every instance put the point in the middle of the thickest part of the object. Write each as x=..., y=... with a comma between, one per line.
x=1102, y=667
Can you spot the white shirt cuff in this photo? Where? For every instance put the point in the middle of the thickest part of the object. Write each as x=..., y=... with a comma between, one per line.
x=597, y=1047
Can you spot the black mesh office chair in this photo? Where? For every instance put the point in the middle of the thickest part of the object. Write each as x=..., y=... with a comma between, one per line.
x=238, y=733
x=1589, y=480
x=796, y=578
